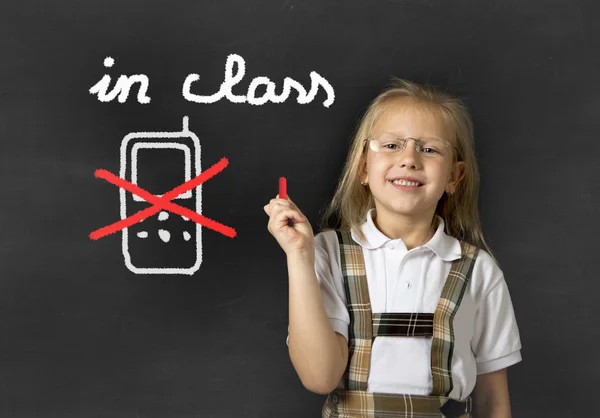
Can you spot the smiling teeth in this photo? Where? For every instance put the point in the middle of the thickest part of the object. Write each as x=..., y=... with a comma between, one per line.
x=406, y=183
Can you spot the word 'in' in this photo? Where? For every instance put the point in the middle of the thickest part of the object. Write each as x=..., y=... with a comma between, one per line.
x=122, y=86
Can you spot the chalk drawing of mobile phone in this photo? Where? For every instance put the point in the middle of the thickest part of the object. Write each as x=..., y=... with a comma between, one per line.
x=165, y=243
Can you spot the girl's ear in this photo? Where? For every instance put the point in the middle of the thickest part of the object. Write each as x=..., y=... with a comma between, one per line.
x=459, y=168
x=362, y=168
x=456, y=175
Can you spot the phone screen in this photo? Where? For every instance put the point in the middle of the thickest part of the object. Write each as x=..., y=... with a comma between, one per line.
x=159, y=168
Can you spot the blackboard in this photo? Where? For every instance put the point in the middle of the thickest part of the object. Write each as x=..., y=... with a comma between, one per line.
x=84, y=336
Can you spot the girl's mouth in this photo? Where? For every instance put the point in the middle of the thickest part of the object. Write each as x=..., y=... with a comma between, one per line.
x=405, y=185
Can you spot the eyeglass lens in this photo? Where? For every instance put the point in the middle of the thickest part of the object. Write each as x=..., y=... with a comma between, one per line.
x=389, y=143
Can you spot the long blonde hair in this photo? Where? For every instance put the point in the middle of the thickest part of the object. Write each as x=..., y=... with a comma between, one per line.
x=351, y=201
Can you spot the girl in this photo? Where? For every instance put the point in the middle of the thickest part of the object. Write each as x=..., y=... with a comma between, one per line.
x=402, y=311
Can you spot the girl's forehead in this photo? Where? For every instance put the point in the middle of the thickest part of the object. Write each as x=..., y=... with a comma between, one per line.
x=410, y=117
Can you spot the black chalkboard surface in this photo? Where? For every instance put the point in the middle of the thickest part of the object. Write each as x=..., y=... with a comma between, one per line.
x=82, y=335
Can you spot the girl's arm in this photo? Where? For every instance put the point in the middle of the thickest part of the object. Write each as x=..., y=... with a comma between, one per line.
x=491, y=395
x=318, y=354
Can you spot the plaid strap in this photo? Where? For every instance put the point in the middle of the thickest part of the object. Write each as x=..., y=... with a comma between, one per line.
x=354, y=404
x=402, y=324
x=442, y=344
x=359, y=308
x=348, y=403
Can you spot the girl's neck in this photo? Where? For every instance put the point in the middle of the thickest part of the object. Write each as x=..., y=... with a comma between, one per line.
x=414, y=232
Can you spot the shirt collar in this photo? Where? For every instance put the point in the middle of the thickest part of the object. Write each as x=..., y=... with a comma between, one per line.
x=442, y=244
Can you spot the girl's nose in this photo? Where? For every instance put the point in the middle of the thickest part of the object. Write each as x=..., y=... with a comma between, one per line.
x=409, y=156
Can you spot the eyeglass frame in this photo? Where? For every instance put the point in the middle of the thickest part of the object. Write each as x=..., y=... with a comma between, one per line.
x=417, y=141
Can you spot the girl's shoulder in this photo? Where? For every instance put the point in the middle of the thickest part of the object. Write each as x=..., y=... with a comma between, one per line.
x=327, y=240
x=484, y=262
x=486, y=273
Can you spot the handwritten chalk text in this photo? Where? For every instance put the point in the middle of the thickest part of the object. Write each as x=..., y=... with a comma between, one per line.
x=232, y=78
x=122, y=86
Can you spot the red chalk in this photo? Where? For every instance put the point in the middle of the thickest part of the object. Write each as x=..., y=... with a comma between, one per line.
x=282, y=188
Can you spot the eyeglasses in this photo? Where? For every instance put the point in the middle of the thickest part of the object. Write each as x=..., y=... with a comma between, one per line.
x=388, y=143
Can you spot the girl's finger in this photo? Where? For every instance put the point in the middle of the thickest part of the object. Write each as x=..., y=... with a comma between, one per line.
x=276, y=209
x=283, y=216
x=287, y=197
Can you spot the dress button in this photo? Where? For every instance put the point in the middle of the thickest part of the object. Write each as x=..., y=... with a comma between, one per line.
x=408, y=285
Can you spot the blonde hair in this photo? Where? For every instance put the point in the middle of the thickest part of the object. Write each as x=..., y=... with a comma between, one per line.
x=351, y=201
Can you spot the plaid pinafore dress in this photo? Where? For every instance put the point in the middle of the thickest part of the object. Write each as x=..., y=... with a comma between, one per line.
x=350, y=398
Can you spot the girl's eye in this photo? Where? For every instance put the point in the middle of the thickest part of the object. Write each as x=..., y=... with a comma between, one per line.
x=390, y=146
x=429, y=151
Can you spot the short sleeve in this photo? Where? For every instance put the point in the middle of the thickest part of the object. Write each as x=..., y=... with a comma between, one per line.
x=329, y=276
x=496, y=342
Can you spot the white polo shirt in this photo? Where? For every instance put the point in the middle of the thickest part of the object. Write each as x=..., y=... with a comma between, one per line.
x=486, y=333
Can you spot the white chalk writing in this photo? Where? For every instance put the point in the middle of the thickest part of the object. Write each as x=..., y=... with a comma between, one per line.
x=231, y=79
x=122, y=86
x=235, y=62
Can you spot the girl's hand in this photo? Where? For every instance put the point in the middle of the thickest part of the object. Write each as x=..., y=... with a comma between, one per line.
x=290, y=227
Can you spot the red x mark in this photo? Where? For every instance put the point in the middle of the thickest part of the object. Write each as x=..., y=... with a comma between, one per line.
x=164, y=202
